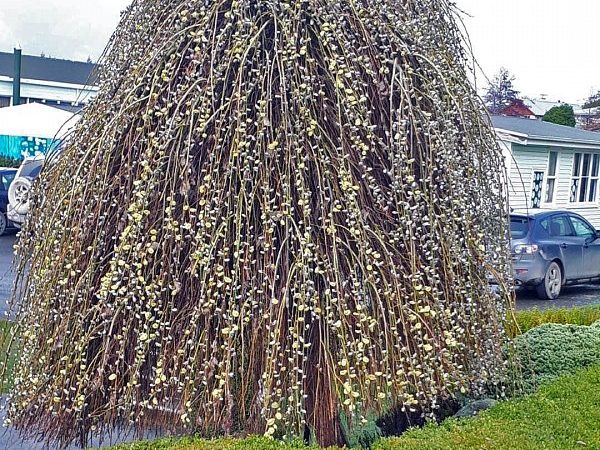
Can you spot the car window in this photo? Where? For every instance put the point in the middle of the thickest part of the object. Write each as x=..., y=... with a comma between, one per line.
x=31, y=168
x=6, y=179
x=557, y=226
x=582, y=229
x=542, y=229
x=519, y=227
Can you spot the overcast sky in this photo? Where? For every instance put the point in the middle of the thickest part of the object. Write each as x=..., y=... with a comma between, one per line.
x=551, y=46
x=70, y=29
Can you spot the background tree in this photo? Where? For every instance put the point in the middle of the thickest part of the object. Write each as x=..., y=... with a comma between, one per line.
x=593, y=101
x=561, y=115
x=500, y=92
x=591, y=117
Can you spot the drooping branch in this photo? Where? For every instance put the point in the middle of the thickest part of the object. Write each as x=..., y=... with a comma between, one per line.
x=274, y=213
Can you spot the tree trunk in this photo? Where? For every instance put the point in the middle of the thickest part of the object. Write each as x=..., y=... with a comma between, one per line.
x=322, y=413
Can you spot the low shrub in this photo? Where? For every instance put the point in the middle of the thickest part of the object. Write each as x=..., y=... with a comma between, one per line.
x=9, y=162
x=527, y=320
x=551, y=350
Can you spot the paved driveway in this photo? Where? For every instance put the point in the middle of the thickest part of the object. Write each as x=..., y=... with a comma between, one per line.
x=6, y=275
x=9, y=440
x=570, y=297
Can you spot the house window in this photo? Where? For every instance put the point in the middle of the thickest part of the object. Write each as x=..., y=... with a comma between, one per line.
x=584, y=182
x=536, y=192
x=551, y=179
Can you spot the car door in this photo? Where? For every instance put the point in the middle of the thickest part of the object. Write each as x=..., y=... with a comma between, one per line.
x=5, y=181
x=571, y=247
x=591, y=245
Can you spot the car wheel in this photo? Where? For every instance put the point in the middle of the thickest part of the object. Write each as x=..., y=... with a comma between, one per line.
x=18, y=194
x=549, y=288
x=3, y=223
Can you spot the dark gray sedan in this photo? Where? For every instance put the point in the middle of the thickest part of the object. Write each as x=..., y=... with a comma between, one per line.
x=553, y=248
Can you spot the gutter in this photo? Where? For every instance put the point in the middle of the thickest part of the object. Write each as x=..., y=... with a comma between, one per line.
x=525, y=139
x=58, y=84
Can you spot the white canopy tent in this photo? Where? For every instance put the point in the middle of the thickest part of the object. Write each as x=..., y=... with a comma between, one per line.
x=36, y=120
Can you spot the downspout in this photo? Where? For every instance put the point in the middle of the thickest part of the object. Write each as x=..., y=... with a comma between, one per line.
x=17, y=78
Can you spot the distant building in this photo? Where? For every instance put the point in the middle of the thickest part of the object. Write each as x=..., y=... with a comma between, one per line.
x=55, y=82
x=587, y=119
x=540, y=106
x=517, y=109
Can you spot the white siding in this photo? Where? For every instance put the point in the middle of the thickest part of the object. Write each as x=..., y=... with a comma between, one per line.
x=528, y=159
x=50, y=91
x=590, y=211
x=525, y=161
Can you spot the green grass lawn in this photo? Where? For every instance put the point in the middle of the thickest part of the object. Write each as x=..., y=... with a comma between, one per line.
x=526, y=320
x=562, y=415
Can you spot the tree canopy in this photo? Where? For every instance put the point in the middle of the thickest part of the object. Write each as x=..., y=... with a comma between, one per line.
x=500, y=91
x=276, y=217
x=561, y=115
x=593, y=101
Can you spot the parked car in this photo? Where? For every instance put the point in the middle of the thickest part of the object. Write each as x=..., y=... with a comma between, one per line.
x=18, y=193
x=6, y=178
x=553, y=248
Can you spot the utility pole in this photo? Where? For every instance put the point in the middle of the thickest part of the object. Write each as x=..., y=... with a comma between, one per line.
x=17, y=78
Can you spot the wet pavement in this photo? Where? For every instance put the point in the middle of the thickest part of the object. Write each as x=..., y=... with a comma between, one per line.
x=7, y=277
x=570, y=297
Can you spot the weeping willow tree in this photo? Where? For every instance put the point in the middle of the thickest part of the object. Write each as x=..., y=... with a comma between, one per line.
x=276, y=213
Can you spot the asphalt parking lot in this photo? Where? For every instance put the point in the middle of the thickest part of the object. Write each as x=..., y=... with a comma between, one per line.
x=7, y=277
x=571, y=297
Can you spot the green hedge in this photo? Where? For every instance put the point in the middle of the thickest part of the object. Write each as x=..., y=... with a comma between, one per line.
x=562, y=415
x=9, y=162
x=527, y=320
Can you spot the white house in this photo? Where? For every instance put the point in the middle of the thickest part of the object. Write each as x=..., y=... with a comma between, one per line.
x=551, y=166
x=55, y=82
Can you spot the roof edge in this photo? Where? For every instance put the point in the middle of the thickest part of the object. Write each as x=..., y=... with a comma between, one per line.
x=532, y=139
